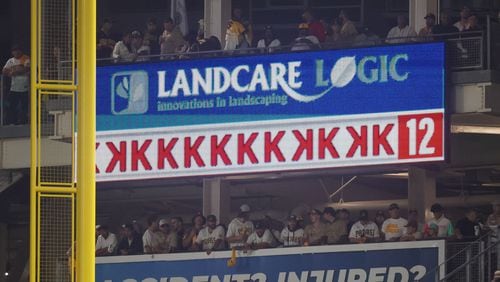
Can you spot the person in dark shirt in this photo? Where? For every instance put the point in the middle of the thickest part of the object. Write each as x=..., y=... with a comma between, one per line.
x=444, y=27
x=105, y=42
x=468, y=227
x=152, y=36
x=131, y=243
x=177, y=226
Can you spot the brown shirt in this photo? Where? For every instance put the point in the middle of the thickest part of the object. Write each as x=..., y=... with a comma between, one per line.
x=315, y=234
x=335, y=230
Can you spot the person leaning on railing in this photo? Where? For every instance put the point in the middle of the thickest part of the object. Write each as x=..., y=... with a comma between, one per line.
x=315, y=233
x=171, y=39
x=211, y=237
x=107, y=242
x=364, y=230
x=402, y=32
x=131, y=243
x=269, y=43
x=469, y=227
x=123, y=49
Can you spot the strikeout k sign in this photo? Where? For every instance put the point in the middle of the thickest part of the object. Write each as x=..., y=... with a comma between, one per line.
x=271, y=146
x=266, y=113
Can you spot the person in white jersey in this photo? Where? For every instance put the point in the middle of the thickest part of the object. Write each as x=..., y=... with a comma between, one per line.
x=444, y=226
x=292, y=235
x=364, y=230
x=106, y=242
x=210, y=238
x=393, y=227
x=240, y=228
x=261, y=238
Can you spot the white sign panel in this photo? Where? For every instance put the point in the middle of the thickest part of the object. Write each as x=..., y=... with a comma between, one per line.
x=298, y=144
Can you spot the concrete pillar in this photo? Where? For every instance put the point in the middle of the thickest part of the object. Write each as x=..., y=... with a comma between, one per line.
x=418, y=10
x=217, y=15
x=421, y=192
x=216, y=199
x=3, y=251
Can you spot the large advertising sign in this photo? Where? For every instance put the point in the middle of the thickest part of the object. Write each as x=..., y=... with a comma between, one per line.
x=257, y=113
x=388, y=262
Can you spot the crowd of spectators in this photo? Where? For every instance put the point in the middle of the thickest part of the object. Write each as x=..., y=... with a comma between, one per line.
x=168, y=42
x=324, y=227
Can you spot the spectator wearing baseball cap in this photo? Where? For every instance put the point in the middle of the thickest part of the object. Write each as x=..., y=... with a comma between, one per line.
x=445, y=228
x=106, y=242
x=392, y=228
x=292, y=234
x=364, y=230
x=336, y=229
x=211, y=237
x=240, y=228
x=315, y=232
x=261, y=238
x=131, y=243
x=425, y=33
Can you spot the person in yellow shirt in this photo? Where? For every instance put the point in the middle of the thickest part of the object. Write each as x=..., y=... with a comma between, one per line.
x=238, y=32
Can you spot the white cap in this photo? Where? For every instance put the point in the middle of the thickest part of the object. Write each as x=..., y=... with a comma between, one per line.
x=163, y=221
x=97, y=227
x=245, y=208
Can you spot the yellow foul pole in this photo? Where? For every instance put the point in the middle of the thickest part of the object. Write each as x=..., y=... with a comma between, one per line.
x=33, y=141
x=86, y=85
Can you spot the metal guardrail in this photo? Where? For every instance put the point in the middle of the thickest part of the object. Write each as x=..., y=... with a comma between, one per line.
x=470, y=261
x=465, y=50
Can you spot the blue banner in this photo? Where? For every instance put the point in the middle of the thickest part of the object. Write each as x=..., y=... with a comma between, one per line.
x=269, y=87
x=406, y=261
